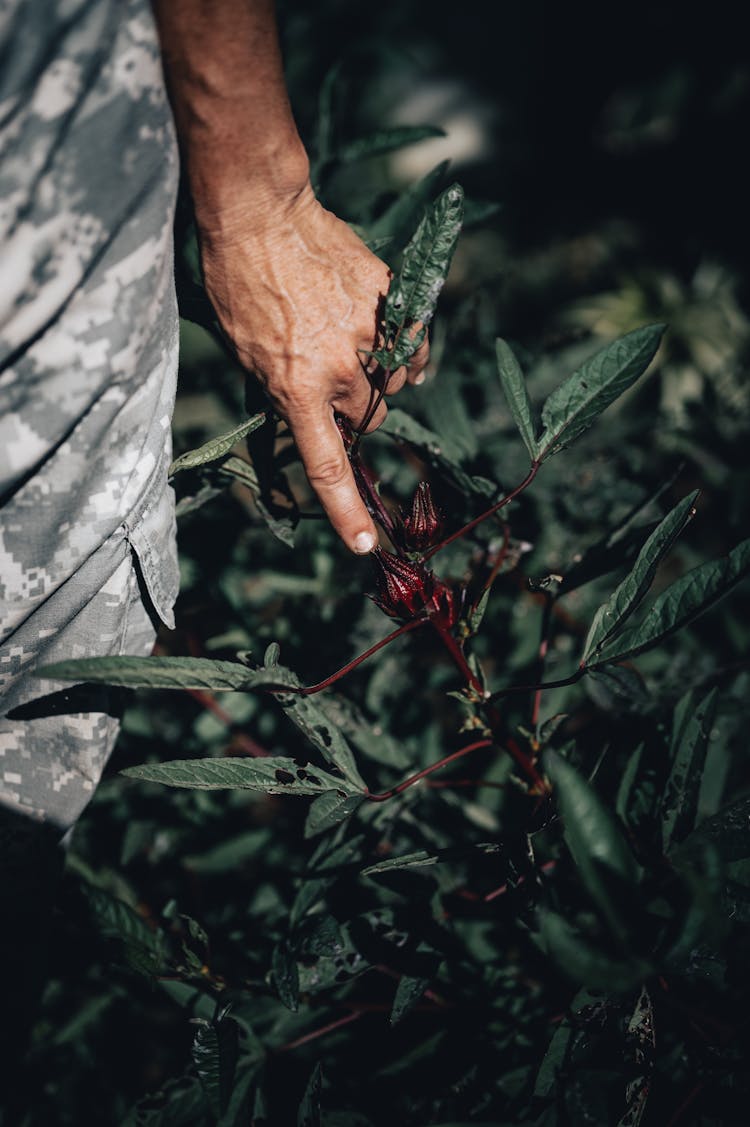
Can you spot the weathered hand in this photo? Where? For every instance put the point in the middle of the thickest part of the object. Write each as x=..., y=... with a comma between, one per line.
x=298, y=294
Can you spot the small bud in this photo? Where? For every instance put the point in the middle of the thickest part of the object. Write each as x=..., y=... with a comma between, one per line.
x=405, y=589
x=423, y=525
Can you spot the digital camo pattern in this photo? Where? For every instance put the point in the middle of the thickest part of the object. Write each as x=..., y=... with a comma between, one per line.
x=88, y=356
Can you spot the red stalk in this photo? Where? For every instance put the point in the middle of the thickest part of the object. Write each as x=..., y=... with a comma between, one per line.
x=428, y=771
x=489, y=512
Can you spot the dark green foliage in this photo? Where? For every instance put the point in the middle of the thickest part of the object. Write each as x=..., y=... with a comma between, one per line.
x=533, y=909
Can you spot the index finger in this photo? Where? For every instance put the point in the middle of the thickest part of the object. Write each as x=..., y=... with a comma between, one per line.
x=328, y=470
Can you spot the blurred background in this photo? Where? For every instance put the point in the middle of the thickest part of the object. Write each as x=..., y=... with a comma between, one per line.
x=611, y=138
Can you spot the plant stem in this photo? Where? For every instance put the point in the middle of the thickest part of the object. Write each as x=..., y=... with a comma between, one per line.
x=313, y=1036
x=454, y=649
x=542, y=657
x=310, y=689
x=489, y=512
x=428, y=770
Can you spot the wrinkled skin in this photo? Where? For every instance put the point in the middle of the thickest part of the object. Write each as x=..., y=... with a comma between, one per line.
x=299, y=298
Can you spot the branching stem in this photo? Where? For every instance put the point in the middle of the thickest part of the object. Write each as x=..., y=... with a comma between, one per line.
x=429, y=770
x=488, y=513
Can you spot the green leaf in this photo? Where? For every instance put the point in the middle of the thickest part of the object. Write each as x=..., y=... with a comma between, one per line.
x=286, y=976
x=681, y=603
x=611, y=615
x=573, y=406
x=558, y=1048
x=582, y=962
x=312, y=720
x=308, y=1114
x=156, y=672
x=240, y=470
x=690, y=734
x=408, y=993
x=627, y=783
x=368, y=738
x=230, y=854
x=215, y=1047
x=116, y=919
x=417, y=860
x=275, y=774
x=216, y=448
x=431, y=446
x=601, y=853
x=514, y=386
x=400, y=218
x=413, y=295
x=420, y=858
x=728, y=831
x=328, y=810
x=386, y=140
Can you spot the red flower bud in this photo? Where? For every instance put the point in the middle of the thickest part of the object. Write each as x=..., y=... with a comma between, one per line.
x=405, y=589
x=423, y=525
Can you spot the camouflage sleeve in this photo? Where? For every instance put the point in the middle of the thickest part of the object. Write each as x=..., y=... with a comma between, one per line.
x=88, y=357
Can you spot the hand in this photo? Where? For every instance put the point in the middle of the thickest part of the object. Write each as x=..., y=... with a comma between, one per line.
x=298, y=295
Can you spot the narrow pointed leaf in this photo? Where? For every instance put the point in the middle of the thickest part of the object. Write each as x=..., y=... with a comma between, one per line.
x=514, y=386
x=584, y=963
x=691, y=731
x=329, y=809
x=399, y=220
x=413, y=295
x=431, y=446
x=215, y=1048
x=311, y=719
x=216, y=448
x=573, y=406
x=601, y=853
x=408, y=993
x=728, y=831
x=286, y=976
x=240, y=470
x=158, y=673
x=275, y=774
x=681, y=603
x=308, y=1113
x=386, y=140
x=612, y=615
x=627, y=784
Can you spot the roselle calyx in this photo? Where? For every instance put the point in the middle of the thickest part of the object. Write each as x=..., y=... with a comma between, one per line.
x=421, y=527
x=406, y=590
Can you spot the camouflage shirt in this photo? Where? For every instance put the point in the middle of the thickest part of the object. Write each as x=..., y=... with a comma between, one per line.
x=88, y=320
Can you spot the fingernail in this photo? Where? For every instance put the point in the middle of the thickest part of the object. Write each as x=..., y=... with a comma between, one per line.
x=419, y=379
x=364, y=542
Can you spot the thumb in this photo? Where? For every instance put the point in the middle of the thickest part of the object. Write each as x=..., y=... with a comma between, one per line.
x=329, y=473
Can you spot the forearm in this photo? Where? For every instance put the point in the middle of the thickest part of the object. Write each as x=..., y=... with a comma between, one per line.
x=225, y=76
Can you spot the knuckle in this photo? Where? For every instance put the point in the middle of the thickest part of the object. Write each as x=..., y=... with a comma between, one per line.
x=328, y=473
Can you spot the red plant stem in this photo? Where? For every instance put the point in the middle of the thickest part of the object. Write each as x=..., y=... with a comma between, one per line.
x=242, y=740
x=313, y=1036
x=310, y=689
x=488, y=513
x=489, y=896
x=428, y=771
x=686, y=1103
x=542, y=657
x=498, y=562
x=376, y=401
x=454, y=649
x=369, y=494
x=525, y=763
